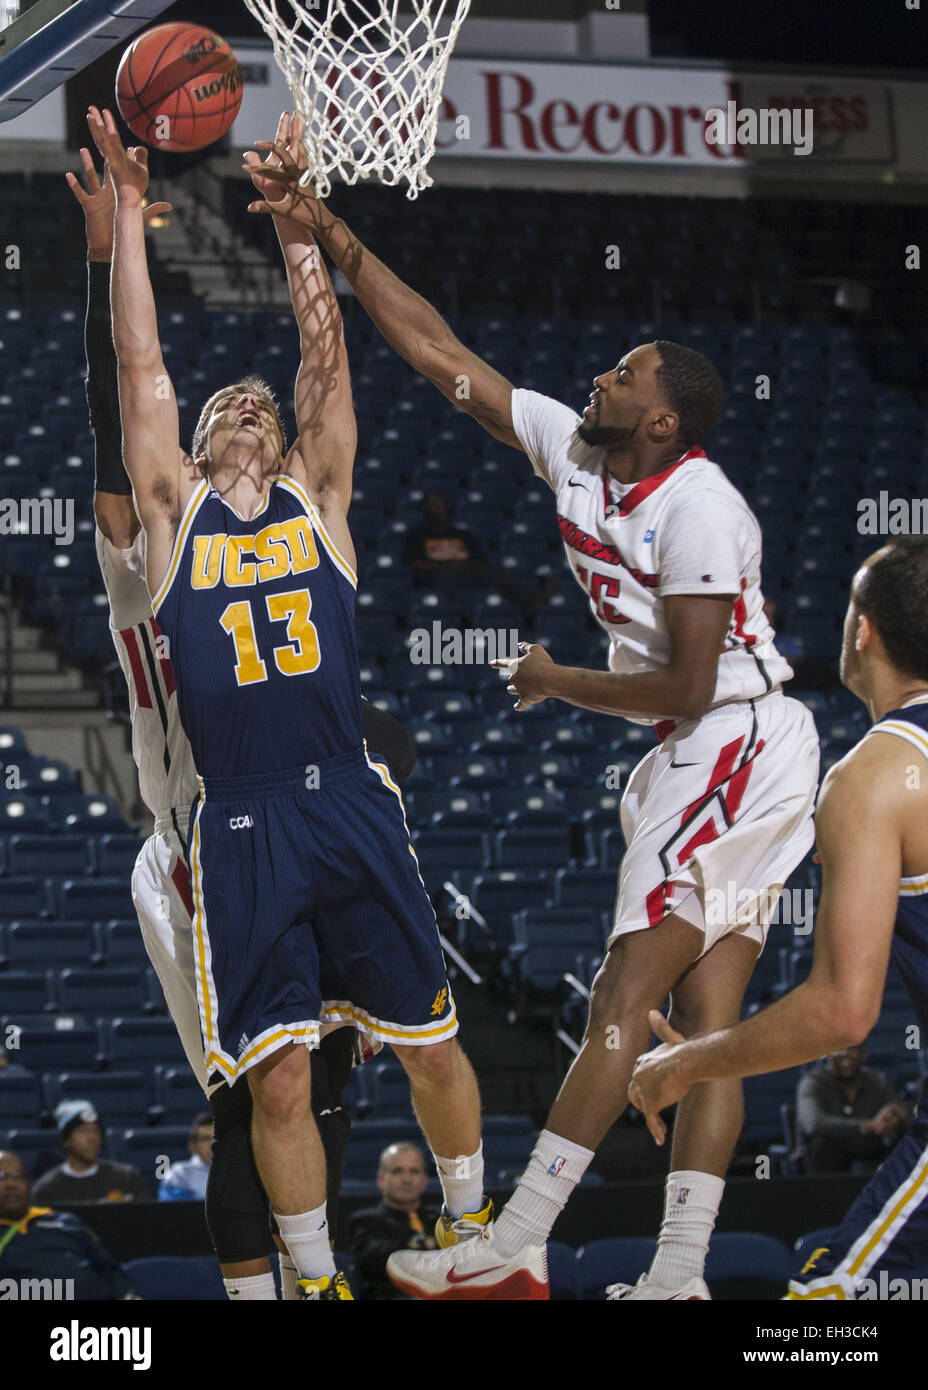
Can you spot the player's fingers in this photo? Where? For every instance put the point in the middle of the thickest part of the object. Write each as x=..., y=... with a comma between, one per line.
x=157, y=210
x=140, y=155
x=76, y=188
x=265, y=207
x=663, y=1029
x=90, y=172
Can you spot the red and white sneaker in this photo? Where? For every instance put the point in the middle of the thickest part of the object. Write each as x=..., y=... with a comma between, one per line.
x=696, y=1290
x=472, y=1270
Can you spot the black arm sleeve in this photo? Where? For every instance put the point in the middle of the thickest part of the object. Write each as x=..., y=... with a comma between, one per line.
x=102, y=384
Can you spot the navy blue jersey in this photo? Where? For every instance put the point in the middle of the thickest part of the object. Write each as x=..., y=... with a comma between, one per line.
x=260, y=619
x=910, y=937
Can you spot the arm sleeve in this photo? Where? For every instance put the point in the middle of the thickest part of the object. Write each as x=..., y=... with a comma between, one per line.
x=545, y=429
x=123, y=574
x=102, y=384
x=705, y=548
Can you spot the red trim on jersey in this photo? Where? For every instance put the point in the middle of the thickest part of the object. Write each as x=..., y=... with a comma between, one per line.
x=720, y=773
x=167, y=670
x=576, y=538
x=739, y=609
x=644, y=489
x=138, y=670
x=180, y=877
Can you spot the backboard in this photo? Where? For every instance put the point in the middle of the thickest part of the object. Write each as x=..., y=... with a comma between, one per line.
x=54, y=39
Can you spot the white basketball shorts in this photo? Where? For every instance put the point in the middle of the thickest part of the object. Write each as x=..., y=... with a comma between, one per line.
x=717, y=817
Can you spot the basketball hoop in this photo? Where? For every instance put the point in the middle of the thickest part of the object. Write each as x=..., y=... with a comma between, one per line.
x=366, y=82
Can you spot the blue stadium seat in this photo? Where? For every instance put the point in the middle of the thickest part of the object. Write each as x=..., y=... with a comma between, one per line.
x=96, y=899
x=23, y=896
x=615, y=1260
x=120, y=1097
x=737, y=1255
x=116, y=855
x=593, y=887
x=20, y=1097
x=44, y=1044
x=141, y=1041
x=39, y=1149
x=49, y=854
x=93, y=813
x=178, y=1094
x=43, y=944
x=106, y=990
x=370, y=1137
x=183, y=1278
x=121, y=943
x=562, y=1271
x=25, y=992
x=526, y=846
x=390, y=1095
x=22, y=812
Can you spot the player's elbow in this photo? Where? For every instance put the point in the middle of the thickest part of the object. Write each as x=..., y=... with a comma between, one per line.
x=693, y=700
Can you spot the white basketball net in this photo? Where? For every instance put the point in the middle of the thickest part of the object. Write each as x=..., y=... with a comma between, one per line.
x=366, y=81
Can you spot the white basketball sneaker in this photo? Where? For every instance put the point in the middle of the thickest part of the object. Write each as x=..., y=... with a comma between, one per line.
x=471, y=1270
x=696, y=1290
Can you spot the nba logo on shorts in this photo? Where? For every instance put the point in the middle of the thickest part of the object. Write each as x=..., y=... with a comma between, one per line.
x=682, y=1196
x=556, y=1166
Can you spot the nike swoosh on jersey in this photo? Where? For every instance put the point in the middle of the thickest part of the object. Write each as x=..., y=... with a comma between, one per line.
x=675, y=764
x=573, y=482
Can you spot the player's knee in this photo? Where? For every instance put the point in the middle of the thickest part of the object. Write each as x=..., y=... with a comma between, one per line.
x=617, y=992
x=437, y=1063
x=281, y=1092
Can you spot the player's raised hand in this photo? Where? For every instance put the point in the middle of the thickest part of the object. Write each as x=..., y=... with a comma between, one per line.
x=99, y=203
x=656, y=1082
x=128, y=169
x=278, y=176
x=526, y=674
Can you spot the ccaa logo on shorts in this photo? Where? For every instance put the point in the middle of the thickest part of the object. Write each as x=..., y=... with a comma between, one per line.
x=240, y=822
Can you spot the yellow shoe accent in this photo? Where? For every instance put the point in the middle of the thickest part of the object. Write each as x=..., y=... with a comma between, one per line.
x=325, y=1290
x=450, y=1230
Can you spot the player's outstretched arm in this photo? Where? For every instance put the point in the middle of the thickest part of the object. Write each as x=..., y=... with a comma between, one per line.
x=326, y=424
x=148, y=406
x=411, y=326
x=682, y=689
x=113, y=506
x=860, y=827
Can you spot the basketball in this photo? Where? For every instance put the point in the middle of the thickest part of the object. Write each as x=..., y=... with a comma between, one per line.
x=179, y=87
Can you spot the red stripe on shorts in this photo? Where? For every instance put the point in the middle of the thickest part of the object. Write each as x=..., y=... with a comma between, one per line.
x=720, y=773
x=138, y=670
x=180, y=877
x=738, y=783
x=704, y=836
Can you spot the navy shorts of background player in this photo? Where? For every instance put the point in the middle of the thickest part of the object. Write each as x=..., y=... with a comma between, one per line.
x=309, y=907
x=881, y=1247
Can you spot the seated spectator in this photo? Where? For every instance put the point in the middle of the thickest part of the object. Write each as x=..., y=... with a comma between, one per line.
x=846, y=1113
x=442, y=556
x=186, y=1181
x=84, y=1176
x=39, y=1244
x=398, y=1222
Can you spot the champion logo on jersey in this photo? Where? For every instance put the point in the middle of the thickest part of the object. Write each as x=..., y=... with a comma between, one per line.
x=556, y=1166
x=648, y=537
x=708, y=578
x=682, y=1196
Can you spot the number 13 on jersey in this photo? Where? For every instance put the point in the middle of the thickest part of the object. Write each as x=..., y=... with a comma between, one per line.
x=296, y=659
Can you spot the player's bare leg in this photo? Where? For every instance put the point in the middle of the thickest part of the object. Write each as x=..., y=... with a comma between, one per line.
x=290, y=1157
x=707, y=1124
x=447, y=1105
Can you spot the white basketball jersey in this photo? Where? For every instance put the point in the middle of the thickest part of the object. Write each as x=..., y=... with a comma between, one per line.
x=685, y=530
x=167, y=776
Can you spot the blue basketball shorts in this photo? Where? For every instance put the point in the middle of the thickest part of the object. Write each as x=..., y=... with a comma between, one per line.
x=881, y=1247
x=309, y=910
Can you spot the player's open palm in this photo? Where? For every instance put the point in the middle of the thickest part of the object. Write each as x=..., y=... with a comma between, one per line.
x=128, y=168
x=98, y=199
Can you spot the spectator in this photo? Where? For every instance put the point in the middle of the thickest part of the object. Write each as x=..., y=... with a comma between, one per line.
x=39, y=1244
x=84, y=1176
x=846, y=1113
x=398, y=1222
x=186, y=1181
x=442, y=556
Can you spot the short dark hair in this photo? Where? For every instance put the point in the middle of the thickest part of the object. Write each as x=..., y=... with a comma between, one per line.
x=202, y=1121
x=893, y=594
x=692, y=388
x=252, y=385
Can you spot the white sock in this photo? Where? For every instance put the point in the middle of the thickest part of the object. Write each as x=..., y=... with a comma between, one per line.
x=288, y=1277
x=554, y=1169
x=252, y=1289
x=306, y=1236
x=461, y=1182
x=691, y=1204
